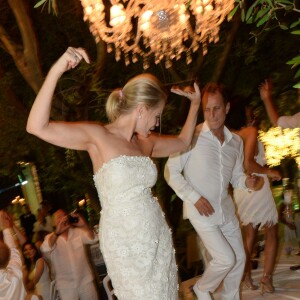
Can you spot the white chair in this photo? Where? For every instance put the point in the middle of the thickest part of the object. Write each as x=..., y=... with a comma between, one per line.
x=108, y=288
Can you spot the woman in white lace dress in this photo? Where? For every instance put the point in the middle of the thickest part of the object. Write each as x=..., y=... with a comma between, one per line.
x=256, y=210
x=135, y=239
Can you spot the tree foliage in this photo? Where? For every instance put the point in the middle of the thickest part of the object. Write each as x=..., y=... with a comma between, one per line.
x=241, y=60
x=269, y=14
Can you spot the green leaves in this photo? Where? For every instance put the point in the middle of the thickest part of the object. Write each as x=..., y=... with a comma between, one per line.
x=52, y=5
x=263, y=20
x=294, y=24
x=40, y=3
x=232, y=13
x=294, y=61
x=262, y=12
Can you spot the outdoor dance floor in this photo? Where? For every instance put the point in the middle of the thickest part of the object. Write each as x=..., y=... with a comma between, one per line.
x=285, y=281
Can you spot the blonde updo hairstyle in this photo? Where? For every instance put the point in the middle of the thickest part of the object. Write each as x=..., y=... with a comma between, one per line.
x=144, y=88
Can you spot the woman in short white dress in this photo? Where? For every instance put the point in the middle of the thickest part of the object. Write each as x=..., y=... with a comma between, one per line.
x=256, y=210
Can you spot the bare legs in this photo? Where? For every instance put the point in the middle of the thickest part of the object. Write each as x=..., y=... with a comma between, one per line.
x=270, y=252
x=249, y=238
x=269, y=257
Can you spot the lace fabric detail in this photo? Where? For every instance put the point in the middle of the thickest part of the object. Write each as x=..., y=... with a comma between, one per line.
x=135, y=239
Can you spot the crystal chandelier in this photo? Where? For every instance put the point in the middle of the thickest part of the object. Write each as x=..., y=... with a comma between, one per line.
x=157, y=29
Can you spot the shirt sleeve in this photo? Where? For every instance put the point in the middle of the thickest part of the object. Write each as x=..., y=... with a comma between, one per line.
x=238, y=174
x=15, y=262
x=289, y=121
x=85, y=237
x=45, y=247
x=175, y=179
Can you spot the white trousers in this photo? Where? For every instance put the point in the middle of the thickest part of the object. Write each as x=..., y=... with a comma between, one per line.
x=84, y=292
x=225, y=245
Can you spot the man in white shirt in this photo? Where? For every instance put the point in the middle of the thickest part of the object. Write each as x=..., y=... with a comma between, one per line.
x=65, y=250
x=11, y=276
x=214, y=160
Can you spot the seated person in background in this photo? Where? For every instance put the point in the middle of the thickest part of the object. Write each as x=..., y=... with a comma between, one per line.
x=65, y=249
x=276, y=120
x=11, y=276
x=36, y=272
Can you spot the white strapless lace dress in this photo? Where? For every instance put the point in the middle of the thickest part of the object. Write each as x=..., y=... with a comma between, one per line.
x=135, y=239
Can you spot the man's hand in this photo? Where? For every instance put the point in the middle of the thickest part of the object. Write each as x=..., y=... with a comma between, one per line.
x=81, y=221
x=62, y=225
x=83, y=224
x=254, y=182
x=204, y=207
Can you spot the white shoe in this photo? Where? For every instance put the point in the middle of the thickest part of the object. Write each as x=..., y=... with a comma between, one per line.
x=201, y=295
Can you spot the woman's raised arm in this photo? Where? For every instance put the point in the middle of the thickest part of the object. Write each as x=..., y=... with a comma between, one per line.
x=249, y=137
x=166, y=145
x=64, y=134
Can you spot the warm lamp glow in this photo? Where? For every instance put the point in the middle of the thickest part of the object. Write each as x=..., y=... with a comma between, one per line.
x=158, y=29
x=81, y=202
x=280, y=143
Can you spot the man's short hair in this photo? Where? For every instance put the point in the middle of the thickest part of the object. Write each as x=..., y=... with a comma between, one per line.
x=4, y=255
x=212, y=88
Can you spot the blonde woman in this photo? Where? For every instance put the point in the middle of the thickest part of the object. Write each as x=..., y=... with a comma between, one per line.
x=135, y=239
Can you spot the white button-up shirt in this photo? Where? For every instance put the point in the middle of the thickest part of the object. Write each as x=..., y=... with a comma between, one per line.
x=69, y=259
x=208, y=167
x=11, y=278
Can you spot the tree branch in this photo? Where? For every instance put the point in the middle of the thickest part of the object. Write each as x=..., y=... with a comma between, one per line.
x=7, y=44
x=228, y=44
x=26, y=56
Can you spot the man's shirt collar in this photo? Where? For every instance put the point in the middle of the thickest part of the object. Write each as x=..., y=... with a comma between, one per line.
x=227, y=132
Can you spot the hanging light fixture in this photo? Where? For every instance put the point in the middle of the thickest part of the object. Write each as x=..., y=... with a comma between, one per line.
x=158, y=29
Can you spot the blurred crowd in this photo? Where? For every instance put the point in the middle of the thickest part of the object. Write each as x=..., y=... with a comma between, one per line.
x=45, y=257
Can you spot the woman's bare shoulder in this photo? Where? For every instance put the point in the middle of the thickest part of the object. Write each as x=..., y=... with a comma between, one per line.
x=94, y=129
x=246, y=132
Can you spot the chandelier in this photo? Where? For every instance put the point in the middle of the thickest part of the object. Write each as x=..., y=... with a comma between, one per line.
x=156, y=30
